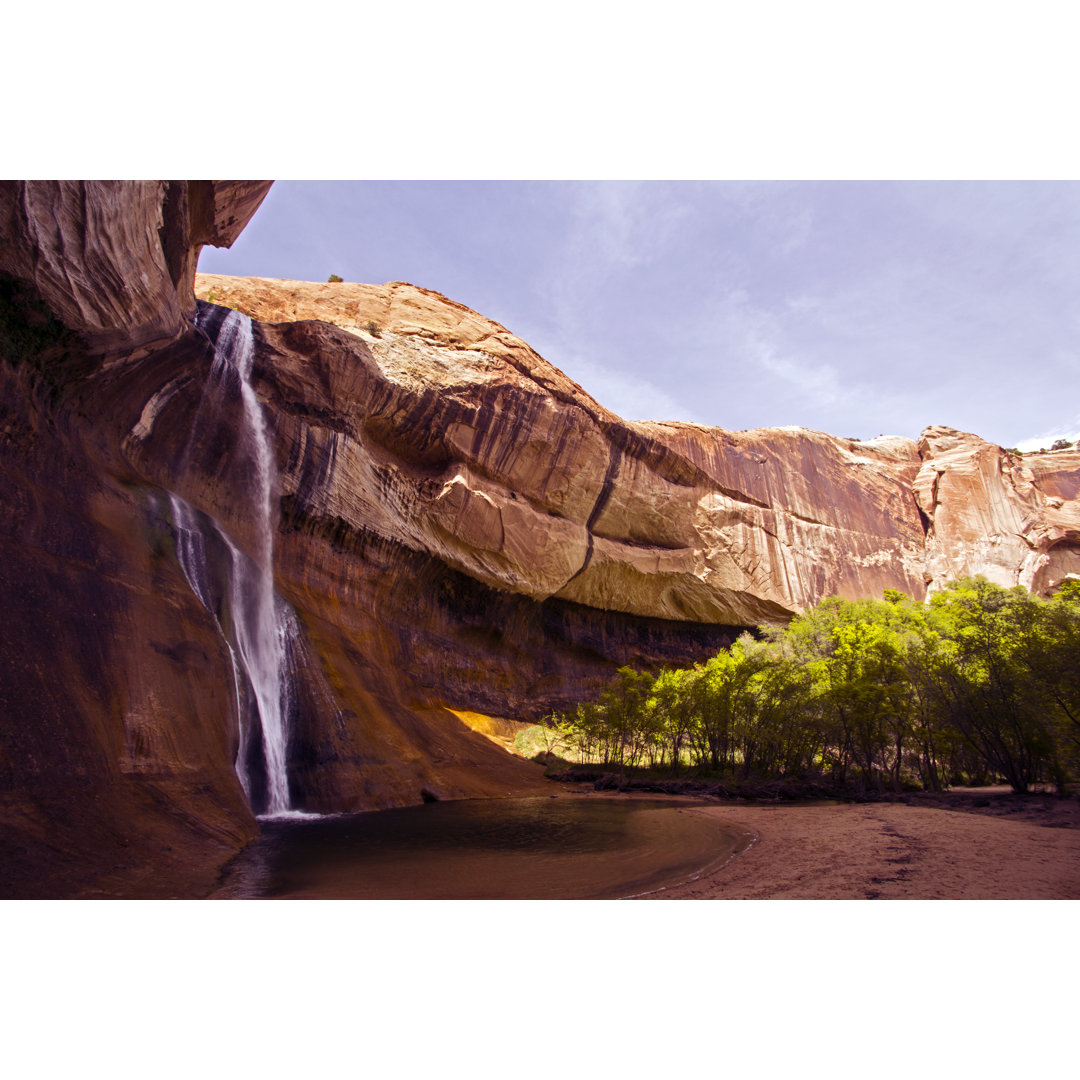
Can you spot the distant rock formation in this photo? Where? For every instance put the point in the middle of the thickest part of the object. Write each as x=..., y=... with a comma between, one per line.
x=1013, y=518
x=460, y=527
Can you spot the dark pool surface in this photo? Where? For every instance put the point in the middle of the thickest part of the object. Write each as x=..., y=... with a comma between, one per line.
x=485, y=849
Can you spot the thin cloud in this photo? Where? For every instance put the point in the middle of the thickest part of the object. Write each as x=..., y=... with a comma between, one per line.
x=624, y=392
x=819, y=383
x=760, y=339
x=777, y=211
x=627, y=223
x=612, y=230
x=1069, y=430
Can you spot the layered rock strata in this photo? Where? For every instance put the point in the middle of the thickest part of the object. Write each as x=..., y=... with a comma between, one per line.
x=1013, y=518
x=114, y=262
x=428, y=425
x=531, y=487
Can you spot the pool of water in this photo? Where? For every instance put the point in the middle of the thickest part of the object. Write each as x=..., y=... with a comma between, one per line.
x=486, y=849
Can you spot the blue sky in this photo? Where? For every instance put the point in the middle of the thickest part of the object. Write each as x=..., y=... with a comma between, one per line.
x=858, y=308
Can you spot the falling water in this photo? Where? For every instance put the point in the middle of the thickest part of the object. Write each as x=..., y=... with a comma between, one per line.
x=252, y=618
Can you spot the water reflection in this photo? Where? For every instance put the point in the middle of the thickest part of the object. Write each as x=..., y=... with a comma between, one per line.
x=537, y=848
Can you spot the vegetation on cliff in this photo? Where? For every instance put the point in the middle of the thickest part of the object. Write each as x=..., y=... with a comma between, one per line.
x=980, y=684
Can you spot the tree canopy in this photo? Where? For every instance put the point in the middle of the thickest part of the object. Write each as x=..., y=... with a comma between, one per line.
x=981, y=683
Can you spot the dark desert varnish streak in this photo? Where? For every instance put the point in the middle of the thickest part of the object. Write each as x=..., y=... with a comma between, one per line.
x=486, y=849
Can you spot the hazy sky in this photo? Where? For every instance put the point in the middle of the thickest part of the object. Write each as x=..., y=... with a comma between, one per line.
x=858, y=308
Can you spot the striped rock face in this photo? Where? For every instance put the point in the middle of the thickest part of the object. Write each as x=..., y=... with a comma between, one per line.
x=1013, y=518
x=494, y=462
x=451, y=436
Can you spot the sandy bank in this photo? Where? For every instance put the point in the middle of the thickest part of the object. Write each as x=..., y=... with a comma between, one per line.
x=894, y=851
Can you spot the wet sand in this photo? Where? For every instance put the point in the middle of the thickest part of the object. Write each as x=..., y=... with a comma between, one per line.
x=1011, y=849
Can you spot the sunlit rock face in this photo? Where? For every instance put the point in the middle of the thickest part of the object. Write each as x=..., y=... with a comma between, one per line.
x=409, y=417
x=1013, y=518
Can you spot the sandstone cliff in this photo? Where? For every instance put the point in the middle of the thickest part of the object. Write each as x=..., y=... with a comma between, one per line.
x=114, y=262
x=115, y=728
x=450, y=436
x=1013, y=518
x=456, y=526
x=532, y=487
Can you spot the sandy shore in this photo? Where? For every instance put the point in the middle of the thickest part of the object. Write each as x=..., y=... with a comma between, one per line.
x=1007, y=849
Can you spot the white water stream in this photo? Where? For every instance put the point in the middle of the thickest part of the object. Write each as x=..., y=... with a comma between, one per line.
x=255, y=621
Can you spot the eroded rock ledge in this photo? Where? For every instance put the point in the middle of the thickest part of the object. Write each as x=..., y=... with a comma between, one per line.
x=441, y=430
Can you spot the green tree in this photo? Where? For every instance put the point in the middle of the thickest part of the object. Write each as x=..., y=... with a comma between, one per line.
x=982, y=682
x=778, y=725
x=723, y=701
x=986, y=682
x=673, y=705
x=624, y=706
x=1052, y=658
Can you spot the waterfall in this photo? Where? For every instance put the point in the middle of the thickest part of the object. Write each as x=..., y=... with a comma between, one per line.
x=238, y=588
